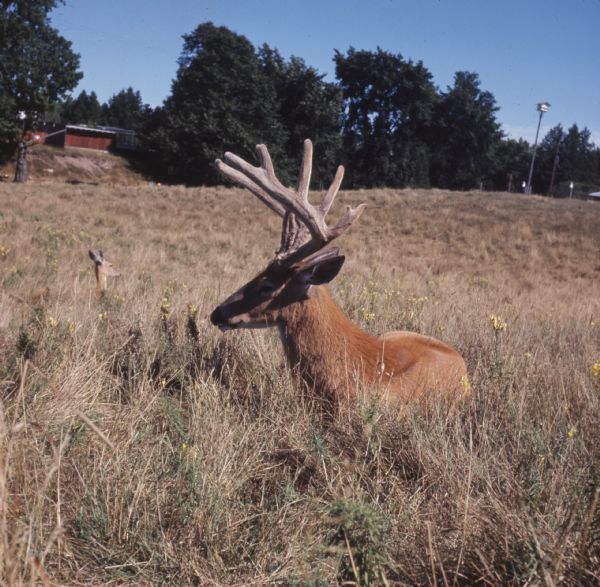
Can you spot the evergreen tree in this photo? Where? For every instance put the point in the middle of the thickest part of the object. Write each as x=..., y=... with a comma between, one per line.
x=388, y=106
x=510, y=165
x=576, y=160
x=221, y=100
x=85, y=109
x=465, y=135
x=307, y=107
x=548, y=159
x=125, y=110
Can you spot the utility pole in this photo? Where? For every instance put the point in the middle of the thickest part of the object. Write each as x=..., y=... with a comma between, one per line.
x=541, y=108
x=21, y=174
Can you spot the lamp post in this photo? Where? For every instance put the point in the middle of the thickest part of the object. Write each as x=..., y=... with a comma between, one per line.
x=541, y=108
x=21, y=167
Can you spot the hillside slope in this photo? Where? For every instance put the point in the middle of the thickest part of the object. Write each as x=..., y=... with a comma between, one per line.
x=141, y=446
x=76, y=166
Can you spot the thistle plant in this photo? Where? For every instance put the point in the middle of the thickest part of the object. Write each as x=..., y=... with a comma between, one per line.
x=498, y=327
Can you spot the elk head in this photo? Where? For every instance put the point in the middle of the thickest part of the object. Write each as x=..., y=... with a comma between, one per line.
x=300, y=262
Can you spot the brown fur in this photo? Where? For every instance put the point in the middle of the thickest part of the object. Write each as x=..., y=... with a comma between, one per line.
x=103, y=269
x=336, y=358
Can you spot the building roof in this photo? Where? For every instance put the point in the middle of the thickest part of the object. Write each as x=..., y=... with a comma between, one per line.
x=86, y=128
x=100, y=129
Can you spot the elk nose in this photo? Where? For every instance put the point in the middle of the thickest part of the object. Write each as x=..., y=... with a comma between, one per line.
x=217, y=316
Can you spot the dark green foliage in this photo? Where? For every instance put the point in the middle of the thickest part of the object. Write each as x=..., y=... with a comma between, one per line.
x=388, y=108
x=37, y=64
x=307, y=107
x=85, y=109
x=573, y=157
x=230, y=97
x=384, y=119
x=221, y=100
x=466, y=133
x=359, y=535
x=125, y=110
x=510, y=165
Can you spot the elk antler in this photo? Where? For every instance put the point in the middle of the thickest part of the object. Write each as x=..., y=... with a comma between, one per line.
x=297, y=240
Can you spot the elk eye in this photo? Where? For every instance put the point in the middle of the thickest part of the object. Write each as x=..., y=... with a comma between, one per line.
x=266, y=288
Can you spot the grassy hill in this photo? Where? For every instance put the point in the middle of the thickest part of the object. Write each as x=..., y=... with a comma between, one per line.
x=54, y=164
x=139, y=445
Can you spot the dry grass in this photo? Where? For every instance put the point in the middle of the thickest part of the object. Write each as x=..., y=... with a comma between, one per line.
x=140, y=446
x=75, y=165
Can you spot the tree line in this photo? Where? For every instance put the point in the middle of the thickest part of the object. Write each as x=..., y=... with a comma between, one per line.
x=383, y=117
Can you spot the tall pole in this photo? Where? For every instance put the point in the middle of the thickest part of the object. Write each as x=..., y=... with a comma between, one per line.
x=21, y=174
x=542, y=107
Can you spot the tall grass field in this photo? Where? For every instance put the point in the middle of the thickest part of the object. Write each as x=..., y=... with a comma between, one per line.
x=141, y=446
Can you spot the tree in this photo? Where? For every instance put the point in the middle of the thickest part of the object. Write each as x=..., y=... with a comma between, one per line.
x=465, y=134
x=547, y=161
x=37, y=64
x=576, y=161
x=510, y=165
x=307, y=107
x=221, y=100
x=125, y=110
x=85, y=109
x=387, y=110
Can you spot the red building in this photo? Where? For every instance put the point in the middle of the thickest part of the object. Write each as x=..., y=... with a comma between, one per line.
x=102, y=138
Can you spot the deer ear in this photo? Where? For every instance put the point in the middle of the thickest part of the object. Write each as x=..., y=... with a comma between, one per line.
x=93, y=256
x=320, y=270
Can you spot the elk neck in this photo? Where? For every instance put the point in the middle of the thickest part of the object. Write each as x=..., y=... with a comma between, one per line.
x=328, y=351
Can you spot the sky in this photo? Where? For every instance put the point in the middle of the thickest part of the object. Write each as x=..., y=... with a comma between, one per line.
x=525, y=51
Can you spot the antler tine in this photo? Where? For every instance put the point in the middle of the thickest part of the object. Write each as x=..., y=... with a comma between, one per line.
x=242, y=178
x=298, y=239
x=305, y=172
x=332, y=191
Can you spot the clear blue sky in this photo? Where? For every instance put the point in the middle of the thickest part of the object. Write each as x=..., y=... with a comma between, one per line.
x=525, y=51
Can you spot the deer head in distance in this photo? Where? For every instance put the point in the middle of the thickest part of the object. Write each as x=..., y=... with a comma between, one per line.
x=329, y=352
x=103, y=269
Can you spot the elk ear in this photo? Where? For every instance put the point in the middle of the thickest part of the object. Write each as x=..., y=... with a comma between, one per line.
x=320, y=269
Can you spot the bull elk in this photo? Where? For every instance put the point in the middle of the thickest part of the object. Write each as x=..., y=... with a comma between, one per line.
x=331, y=354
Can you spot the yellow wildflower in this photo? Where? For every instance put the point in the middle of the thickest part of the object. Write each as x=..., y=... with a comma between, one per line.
x=497, y=323
x=466, y=385
x=596, y=369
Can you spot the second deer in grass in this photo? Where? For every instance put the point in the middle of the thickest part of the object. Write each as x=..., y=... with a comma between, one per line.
x=103, y=270
x=331, y=354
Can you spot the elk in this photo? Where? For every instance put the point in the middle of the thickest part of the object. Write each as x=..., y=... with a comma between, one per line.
x=103, y=270
x=330, y=353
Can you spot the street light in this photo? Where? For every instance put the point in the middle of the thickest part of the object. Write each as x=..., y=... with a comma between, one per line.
x=22, y=116
x=541, y=108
